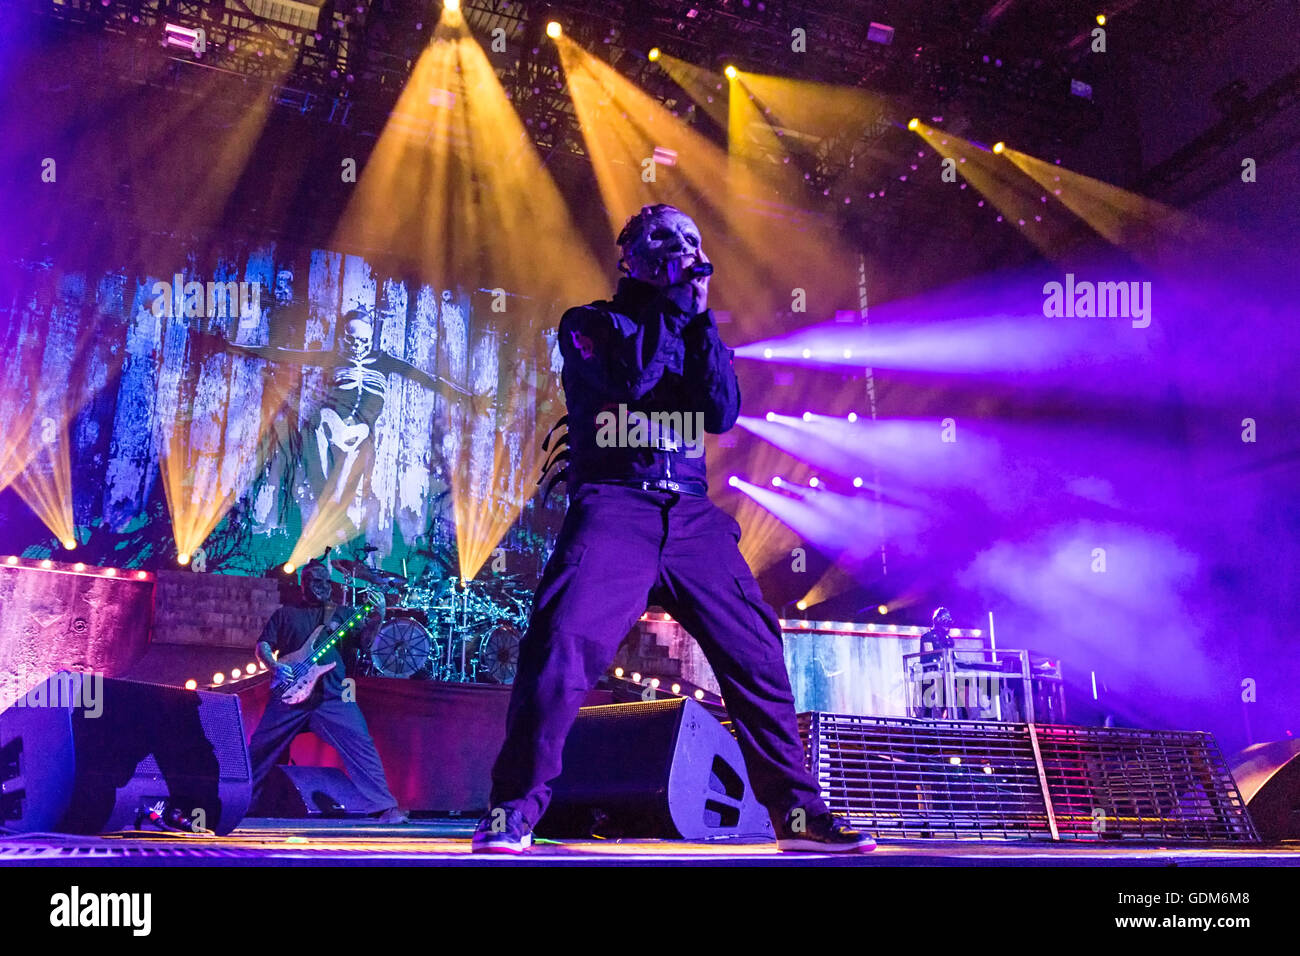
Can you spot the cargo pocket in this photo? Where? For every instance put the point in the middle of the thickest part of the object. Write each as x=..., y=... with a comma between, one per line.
x=764, y=626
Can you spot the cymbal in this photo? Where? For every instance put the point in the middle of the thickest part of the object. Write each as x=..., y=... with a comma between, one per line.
x=355, y=569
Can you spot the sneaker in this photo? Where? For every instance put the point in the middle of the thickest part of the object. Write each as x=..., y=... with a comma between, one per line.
x=391, y=816
x=495, y=835
x=823, y=834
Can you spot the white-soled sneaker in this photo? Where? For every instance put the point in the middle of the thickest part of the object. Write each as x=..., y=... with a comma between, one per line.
x=823, y=834
x=494, y=835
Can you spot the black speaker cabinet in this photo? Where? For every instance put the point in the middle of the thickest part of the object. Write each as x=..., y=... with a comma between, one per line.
x=293, y=792
x=82, y=753
x=655, y=769
x=1268, y=777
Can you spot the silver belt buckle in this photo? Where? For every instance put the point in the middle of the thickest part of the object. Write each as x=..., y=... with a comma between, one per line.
x=660, y=485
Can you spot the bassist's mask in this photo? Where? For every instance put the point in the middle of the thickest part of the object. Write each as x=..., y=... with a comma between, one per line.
x=315, y=584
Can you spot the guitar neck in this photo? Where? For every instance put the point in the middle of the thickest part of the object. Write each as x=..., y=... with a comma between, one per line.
x=339, y=633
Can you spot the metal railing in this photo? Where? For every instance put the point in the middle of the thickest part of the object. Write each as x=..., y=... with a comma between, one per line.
x=949, y=779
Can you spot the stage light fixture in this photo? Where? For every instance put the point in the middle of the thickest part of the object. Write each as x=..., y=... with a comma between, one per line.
x=142, y=575
x=663, y=156
x=451, y=6
x=699, y=695
x=110, y=572
x=807, y=353
x=881, y=33
x=733, y=481
x=857, y=482
x=776, y=481
x=252, y=669
x=69, y=544
x=289, y=568
x=730, y=72
x=848, y=353
x=955, y=761
x=913, y=124
x=883, y=609
x=191, y=684
x=654, y=682
x=79, y=566
x=770, y=416
x=236, y=674
x=999, y=146
x=183, y=558
x=653, y=54
x=47, y=563
x=814, y=482
x=553, y=29
x=853, y=417
x=807, y=416
x=636, y=678
x=1101, y=19
x=218, y=678
x=11, y=560
x=618, y=672
x=184, y=38
x=677, y=688
x=767, y=353
x=802, y=605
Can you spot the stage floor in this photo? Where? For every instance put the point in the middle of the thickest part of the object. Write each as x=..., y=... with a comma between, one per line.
x=446, y=843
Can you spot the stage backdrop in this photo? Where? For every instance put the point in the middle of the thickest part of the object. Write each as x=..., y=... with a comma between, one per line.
x=128, y=365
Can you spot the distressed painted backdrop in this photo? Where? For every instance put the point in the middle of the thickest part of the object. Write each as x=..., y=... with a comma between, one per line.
x=122, y=379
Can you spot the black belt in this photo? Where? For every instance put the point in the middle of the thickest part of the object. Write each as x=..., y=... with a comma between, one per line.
x=686, y=487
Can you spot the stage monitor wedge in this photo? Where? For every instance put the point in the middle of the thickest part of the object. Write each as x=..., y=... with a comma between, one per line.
x=1268, y=775
x=663, y=769
x=295, y=792
x=82, y=753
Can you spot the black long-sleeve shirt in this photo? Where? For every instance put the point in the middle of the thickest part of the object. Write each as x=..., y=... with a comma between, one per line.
x=641, y=351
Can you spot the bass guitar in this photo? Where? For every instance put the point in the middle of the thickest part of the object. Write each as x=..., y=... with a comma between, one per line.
x=304, y=663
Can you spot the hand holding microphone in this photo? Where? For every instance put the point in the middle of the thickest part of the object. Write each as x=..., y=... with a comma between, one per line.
x=688, y=281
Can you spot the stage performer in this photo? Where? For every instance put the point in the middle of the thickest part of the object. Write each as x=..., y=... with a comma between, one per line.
x=641, y=529
x=327, y=712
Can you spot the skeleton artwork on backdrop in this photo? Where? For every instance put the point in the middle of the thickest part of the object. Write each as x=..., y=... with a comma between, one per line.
x=342, y=428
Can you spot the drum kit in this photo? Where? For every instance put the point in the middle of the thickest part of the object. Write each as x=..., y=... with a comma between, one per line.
x=438, y=627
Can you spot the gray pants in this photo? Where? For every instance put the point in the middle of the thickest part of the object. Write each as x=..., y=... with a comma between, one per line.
x=339, y=724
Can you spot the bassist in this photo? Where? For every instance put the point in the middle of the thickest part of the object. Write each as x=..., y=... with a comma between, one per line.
x=327, y=711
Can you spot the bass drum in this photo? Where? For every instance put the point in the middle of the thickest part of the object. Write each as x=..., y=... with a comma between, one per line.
x=498, y=654
x=402, y=648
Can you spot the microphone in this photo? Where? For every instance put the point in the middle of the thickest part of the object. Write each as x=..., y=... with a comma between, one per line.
x=701, y=269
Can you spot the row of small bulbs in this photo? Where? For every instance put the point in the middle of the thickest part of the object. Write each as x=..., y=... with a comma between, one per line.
x=45, y=564
x=219, y=678
x=654, y=682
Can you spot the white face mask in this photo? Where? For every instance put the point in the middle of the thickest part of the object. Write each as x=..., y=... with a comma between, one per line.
x=668, y=235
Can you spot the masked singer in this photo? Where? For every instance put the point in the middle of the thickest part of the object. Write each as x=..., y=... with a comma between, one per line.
x=641, y=529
